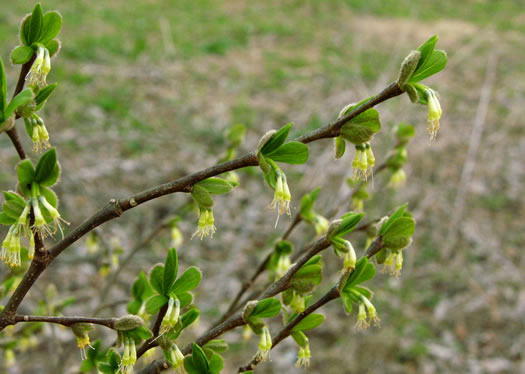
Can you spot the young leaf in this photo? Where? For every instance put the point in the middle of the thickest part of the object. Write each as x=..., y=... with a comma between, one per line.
x=187, y=281
x=50, y=196
x=52, y=177
x=52, y=46
x=267, y=308
x=6, y=220
x=311, y=321
x=35, y=25
x=397, y=214
x=216, y=364
x=202, y=197
x=347, y=300
x=306, y=278
x=154, y=303
x=432, y=65
x=156, y=278
x=46, y=165
x=403, y=226
x=215, y=186
x=52, y=23
x=26, y=174
x=21, y=54
x=185, y=299
x=171, y=268
x=290, y=153
x=426, y=50
x=43, y=94
x=22, y=98
x=349, y=223
x=276, y=140
x=189, y=317
x=362, y=128
x=197, y=363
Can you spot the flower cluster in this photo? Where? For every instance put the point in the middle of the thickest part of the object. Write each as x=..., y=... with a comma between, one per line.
x=41, y=67
x=434, y=112
x=282, y=195
x=206, y=225
x=129, y=358
x=367, y=316
x=175, y=357
x=364, y=161
x=171, y=317
x=394, y=263
x=265, y=345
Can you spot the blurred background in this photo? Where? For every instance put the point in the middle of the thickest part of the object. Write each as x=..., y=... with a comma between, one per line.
x=147, y=90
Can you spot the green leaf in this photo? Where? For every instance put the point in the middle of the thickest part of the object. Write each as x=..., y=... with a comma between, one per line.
x=426, y=50
x=22, y=98
x=202, y=197
x=347, y=300
x=52, y=178
x=156, y=302
x=52, y=46
x=349, y=223
x=276, y=140
x=198, y=361
x=189, y=317
x=290, y=153
x=340, y=146
x=50, y=196
x=432, y=65
x=216, y=364
x=362, y=128
x=187, y=281
x=267, y=308
x=311, y=321
x=52, y=23
x=46, y=165
x=43, y=95
x=404, y=226
x=185, y=299
x=397, y=214
x=363, y=291
x=133, y=307
x=3, y=91
x=12, y=209
x=171, y=267
x=215, y=186
x=216, y=345
x=14, y=197
x=363, y=271
x=306, y=278
x=6, y=219
x=35, y=25
x=21, y=54
x=26, y=174
x=156, y=279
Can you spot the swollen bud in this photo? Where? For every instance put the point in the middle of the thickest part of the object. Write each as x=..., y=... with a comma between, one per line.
x=128, y=322
x=408, y=67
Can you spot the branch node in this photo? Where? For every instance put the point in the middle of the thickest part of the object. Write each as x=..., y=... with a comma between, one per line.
x=118, y=208
x=132, y=202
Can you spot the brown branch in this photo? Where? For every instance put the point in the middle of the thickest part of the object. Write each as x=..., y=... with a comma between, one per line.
x=115, y=208
x=13, y=133
x=237, y=320
x=67, y=321
x=258, y=271
x=287, y=330
x=333, y=294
